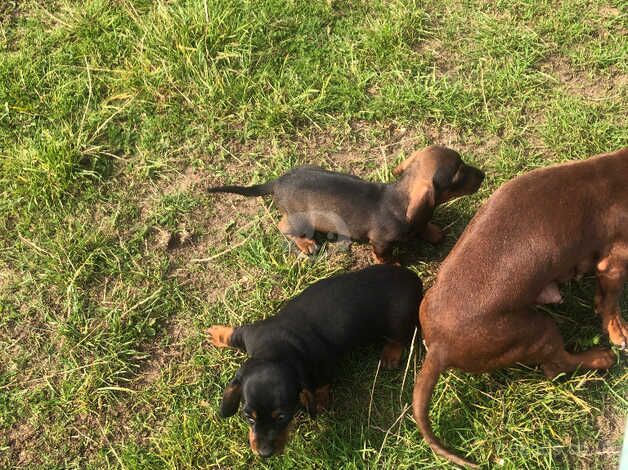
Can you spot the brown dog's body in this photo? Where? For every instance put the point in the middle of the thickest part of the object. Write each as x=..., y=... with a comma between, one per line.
x=313, y=199
x=544, y=227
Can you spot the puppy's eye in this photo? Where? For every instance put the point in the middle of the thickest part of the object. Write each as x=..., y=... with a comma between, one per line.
x=282, y=417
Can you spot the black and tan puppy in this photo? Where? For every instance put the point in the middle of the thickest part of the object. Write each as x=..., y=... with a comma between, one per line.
x=292, y=356
x=313, y=199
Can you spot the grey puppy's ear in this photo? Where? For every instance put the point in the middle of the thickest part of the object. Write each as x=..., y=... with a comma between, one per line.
x=231, y=398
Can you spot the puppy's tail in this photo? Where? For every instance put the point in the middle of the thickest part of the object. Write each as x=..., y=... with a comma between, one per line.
x=423, y=389
x=255, y=190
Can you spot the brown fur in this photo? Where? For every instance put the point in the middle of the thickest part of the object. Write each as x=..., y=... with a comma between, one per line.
x=537, y=230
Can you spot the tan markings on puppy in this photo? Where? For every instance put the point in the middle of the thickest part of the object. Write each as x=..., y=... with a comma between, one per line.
x=280, y=441
x=253, y=441
x=391, y=355
x=306, y=245
x=323, y=397
x=219, y=335
x=378, y=259
x=307, y=399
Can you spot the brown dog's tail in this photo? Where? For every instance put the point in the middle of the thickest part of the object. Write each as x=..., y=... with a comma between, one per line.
x=255, y=190
x=423, y=389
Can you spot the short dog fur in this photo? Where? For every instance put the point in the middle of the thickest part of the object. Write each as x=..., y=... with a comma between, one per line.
x=540, y=229
x=293, y=355
x=313, y=199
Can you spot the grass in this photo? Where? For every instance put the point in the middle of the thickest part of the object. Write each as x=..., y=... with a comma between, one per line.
x=115, y=115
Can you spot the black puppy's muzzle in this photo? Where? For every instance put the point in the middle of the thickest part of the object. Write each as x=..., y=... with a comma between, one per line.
x=265, y=452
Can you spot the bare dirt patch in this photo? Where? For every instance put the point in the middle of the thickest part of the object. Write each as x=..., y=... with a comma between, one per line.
x=18, y=439
x=9, y=11
x=582, y=83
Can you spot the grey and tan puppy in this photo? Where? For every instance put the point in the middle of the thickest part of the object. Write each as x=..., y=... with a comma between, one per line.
x=313, y=199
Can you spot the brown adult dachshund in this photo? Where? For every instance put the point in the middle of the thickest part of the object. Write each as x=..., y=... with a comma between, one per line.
x=313, y=199
x=539, y=229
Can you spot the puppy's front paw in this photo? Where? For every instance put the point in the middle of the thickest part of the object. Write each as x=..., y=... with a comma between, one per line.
x=391, y=355
x=220, y=335
x=307, y=246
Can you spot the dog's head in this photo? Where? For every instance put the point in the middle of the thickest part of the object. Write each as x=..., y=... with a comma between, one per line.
x=432, y=176
x=270, y=393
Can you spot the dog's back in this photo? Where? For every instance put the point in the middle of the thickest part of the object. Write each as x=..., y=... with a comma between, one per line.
x=336, y=314
x=532, y=230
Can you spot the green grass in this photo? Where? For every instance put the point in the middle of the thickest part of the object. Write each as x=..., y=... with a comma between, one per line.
x=115, y=115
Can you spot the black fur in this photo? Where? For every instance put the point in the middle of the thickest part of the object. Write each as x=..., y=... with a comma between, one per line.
x=296, y=351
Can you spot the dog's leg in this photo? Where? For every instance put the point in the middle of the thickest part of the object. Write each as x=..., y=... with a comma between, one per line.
x=382, y=252
x=611, y=274
x=323, y=397
x=432, y=233
x=529, y=337
x=546, y=347
x=391, y=354
x=299, y=232
x=220, y=336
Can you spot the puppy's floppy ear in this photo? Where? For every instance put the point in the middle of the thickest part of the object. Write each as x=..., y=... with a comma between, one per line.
x=231, y=398
x=421, y=201
x=308, y=400
x=405, y=164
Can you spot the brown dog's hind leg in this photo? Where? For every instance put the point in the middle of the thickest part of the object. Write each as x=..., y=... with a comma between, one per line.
x=298, y=232
x=611, y=274
x=545, y=346
x=391, y=354
x=527, y=337
x=563, y=361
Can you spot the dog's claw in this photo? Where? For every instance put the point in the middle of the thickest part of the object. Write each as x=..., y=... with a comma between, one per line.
x=618, y=333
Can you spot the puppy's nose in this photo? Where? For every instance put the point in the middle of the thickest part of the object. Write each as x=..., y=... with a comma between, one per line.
x=265, y=452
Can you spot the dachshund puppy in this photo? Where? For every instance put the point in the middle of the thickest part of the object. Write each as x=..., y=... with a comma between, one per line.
x=313, y=199
x=293, y=355
x=540, y=229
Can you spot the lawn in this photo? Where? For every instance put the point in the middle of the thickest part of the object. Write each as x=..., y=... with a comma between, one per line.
x=116, y=114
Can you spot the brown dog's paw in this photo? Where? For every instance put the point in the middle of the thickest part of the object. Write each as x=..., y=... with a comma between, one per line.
x=604, y=359
x=219, y=335
x=618, y=332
